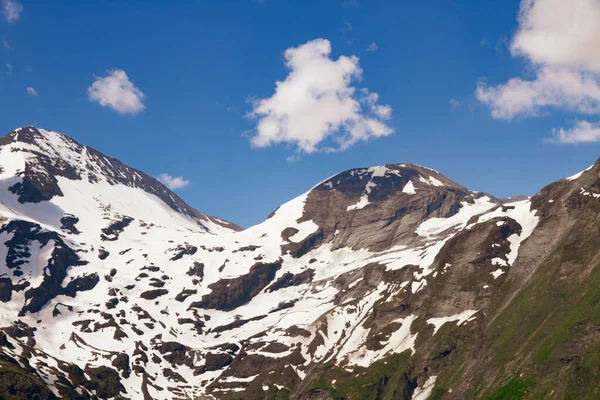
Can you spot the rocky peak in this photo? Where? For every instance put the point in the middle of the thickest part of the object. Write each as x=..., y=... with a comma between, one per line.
x=379, y=182
x=381, y=206
x=35, y=160
x=577, y=193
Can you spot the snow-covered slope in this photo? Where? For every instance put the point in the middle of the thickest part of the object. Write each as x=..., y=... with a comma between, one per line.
x=113, y=286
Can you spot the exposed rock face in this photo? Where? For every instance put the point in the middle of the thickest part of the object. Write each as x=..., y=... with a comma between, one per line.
x=379, y=283
x=376, y=207
x=228, y=294
x=61, y=259
x=288, y=279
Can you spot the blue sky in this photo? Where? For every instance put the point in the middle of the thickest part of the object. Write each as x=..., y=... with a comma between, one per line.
x=200, y=65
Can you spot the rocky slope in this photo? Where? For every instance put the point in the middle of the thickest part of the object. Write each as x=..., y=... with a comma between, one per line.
x=390, y=282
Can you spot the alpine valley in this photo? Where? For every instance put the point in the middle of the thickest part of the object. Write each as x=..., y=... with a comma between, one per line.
x=389, y=282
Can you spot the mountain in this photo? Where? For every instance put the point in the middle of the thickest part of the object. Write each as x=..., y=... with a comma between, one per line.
x=389, y=282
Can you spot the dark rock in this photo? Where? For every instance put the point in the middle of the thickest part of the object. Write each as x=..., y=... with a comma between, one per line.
x=6, y=288
x=228, y=294
x=184, y=250
x=155, y=282
x=215, y=362
x=198, y=325
x=105, y=381
x=313, y=241
x=152, y=294
x=185, y=293
x=197, y=270
x=121, y=363
x=68, y=224
x=173, y=376
x=284, y=305
x=111, y=232
x=247, y=248
x=81, y=284
x=236, y=324
x=112, y=303
x=288, y=279
x=102, y=254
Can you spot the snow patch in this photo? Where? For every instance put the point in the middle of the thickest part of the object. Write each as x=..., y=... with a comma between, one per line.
x=435, y=226
x=379, y=171
x=521, y=212
x=431, y=180
x=460, y=319
x=497, y=273
x=577, y=175
x=409, y=188
x=422, y=393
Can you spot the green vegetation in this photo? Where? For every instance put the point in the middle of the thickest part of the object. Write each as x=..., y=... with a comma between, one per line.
x=386, y=379
x=18, y=383
x=515, y=389
x=550, y=328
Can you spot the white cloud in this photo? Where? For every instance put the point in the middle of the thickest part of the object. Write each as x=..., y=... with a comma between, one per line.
x=318, y=103
x=564, y=88
x=5, y=44
x=173, y=183
x=9, y=69
x=11, y=9
x=117, y=92
x=581, y=132
x=31, y=91
x=560, y=40
x=455, y=104
x=372, y=48
x=560, y=33
x=382, y=111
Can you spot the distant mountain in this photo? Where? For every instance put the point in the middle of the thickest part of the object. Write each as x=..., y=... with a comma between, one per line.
x=513, y=199
x=389, y=282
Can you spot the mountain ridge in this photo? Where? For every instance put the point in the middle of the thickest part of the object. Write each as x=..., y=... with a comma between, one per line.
x=379, y=283
x=89, y=165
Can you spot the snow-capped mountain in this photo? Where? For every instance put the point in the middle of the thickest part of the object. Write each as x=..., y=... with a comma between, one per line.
x=383, y=282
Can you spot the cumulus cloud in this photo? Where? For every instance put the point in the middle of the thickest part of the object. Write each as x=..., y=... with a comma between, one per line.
x=317, y=107
x=116, y=91
x=31, y=91
x=372, y=48
x=558, y=32
x=11, y=10
x=565, y=88
x=560, y=40
x=173, y=182
x=581, y=132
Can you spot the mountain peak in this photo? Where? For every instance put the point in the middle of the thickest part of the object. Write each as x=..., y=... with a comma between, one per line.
x=380, y=181
x=376, y=207
x=39, y=164
x=39, y=137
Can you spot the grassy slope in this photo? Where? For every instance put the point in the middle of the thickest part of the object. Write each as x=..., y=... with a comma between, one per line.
x=544, y=344
x=549, y=335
